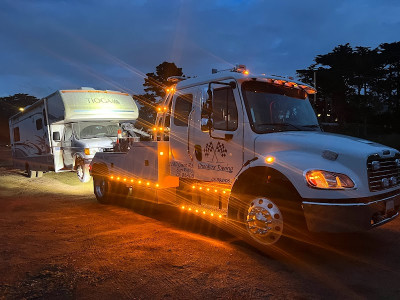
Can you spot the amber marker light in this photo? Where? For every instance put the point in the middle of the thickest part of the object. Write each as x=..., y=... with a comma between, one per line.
x=193, y=187
x=131, y=180
x=246, y=72
x=197, y=210
x=21, y=109
x=124, y=179
x=215, y=190
x=204, y=212
x=161, y=153
x=183, y=207
x=154, y=129
x=161, y=129
x=190, y=208
x=270, y=159
x=157, y=185
x=118, y=178
x=111, y=177
x=200, y=188
x=224, y=192
x=139, y=181
x=220, y=216
x=212, y=215
x=208, y=189
x=147, y=183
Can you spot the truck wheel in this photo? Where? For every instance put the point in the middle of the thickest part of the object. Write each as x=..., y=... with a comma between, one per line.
x=82, y=170
x=270, y=221
x=102, y=190
x=263, y=220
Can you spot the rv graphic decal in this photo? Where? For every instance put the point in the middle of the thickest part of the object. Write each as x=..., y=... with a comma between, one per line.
x=102, y=100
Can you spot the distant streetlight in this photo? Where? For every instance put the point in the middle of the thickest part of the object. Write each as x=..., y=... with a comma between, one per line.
x=21, y=109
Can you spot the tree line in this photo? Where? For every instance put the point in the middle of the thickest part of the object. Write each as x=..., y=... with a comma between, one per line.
x=357, y=85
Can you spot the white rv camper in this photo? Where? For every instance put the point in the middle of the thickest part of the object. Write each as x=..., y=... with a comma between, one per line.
x=63, y=131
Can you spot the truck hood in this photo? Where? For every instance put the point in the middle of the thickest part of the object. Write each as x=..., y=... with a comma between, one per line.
x=317, y=142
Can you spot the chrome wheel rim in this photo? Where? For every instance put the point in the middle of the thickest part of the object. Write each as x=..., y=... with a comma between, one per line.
x=79, y=171
x=264, y=221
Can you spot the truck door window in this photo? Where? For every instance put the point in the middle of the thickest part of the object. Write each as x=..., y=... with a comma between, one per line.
x=183, y=106
x=39, y=124
x=225, y=115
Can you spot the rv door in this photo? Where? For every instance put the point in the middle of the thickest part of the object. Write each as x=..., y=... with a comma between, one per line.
x=67, y=146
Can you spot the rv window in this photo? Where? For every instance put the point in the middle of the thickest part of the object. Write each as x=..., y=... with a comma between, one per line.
x=16, y=134
x=39, y=124
x=225, y=115
x=183, y=106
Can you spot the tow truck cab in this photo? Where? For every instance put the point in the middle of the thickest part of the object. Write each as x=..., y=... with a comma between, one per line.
x=250, y=148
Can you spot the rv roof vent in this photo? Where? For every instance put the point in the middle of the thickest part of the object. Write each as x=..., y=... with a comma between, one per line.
x=87, y=88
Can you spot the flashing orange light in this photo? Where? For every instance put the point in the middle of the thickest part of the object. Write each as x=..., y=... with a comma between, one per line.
x=131, y=180
x=154, y=128
x=157, y=185
x=200, y=188
x=111, y=177
x=165, y=108
x=159, y=108
x=167, y=90
x=212, y=215
x=270, y=159
x=220, y=216
x=215, y=190
x=118, y=178
x=246, y=72
x=193, y=186
x=147, y=183
x=204, y=212
x=161, y=128
x=139, y=181
x=190, y=208
x=224, y=192
x=208, y=189
x=161, y=153
x=183, y=207
x=124, y=179
x=197, y=210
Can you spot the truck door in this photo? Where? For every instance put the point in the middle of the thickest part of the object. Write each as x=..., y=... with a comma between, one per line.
x=218, y=156
x=181, y=162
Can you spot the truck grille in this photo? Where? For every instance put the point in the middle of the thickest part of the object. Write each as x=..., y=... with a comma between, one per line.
x=383, y=173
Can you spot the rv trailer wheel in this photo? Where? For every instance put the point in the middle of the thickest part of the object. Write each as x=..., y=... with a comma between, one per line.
x=82, y=170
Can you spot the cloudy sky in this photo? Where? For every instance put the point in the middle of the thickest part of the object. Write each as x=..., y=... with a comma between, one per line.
x=46, y=45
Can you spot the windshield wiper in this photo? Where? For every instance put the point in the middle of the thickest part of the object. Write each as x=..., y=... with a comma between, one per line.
x=281, y=124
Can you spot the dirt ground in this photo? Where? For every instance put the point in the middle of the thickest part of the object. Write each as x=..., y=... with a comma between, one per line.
x=57, y=242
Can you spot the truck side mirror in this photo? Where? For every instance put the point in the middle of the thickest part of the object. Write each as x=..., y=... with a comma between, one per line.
x=206, y=124
x=56, y=136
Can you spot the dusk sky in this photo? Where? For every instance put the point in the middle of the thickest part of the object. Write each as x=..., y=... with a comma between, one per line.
x=48, y=45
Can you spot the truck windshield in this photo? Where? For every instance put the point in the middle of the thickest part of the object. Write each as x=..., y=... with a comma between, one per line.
x=88, y=130
x=272, y=108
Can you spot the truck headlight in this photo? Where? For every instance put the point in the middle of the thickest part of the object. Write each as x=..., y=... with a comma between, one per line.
x=328, y=180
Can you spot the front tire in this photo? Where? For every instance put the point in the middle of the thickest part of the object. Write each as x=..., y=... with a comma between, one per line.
x=82, y=170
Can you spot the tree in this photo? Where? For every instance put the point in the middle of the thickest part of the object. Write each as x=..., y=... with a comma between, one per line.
x=155, y=85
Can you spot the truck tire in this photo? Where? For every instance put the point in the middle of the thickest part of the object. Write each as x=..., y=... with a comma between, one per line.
x=268, y=222
x=102, y=190
x=82, y=170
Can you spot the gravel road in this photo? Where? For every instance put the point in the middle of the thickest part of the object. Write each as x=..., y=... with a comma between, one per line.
x=57, y=242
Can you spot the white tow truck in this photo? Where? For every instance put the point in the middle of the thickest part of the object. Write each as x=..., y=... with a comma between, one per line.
x=246, y=150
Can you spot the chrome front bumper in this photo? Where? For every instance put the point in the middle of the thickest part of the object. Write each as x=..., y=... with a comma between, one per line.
x=350, y=217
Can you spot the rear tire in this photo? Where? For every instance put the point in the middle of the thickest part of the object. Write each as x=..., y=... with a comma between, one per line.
x=102, y=190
